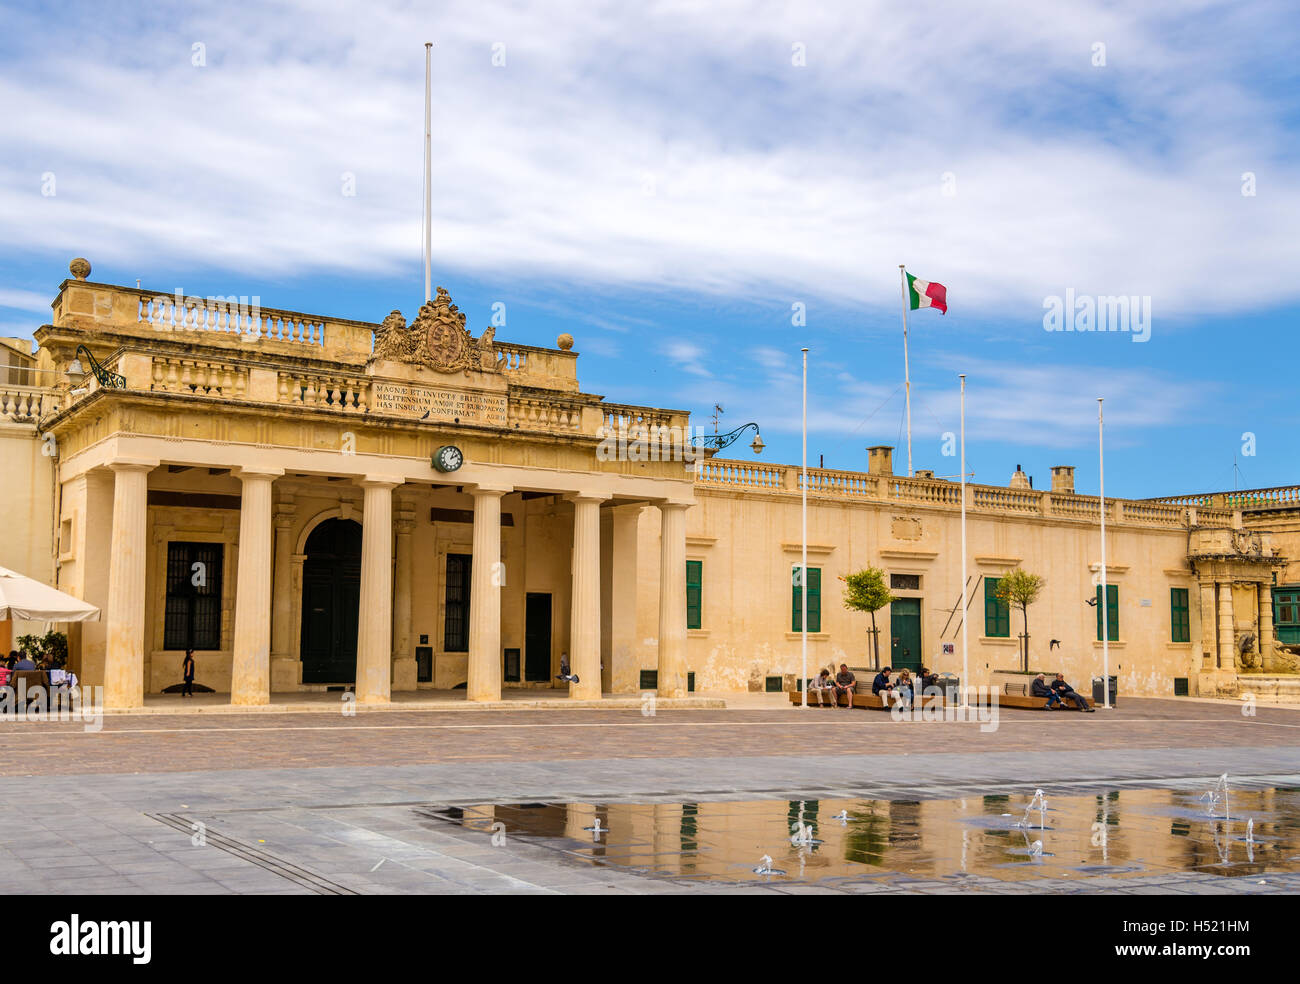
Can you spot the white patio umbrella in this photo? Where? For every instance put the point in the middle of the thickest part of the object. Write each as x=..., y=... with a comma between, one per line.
x=24, y=598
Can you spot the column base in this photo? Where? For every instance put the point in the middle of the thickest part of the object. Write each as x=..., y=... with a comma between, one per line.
x=286, y=674
x=405, y=672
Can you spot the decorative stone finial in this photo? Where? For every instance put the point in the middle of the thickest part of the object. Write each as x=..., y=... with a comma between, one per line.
x=565, y=341
x=80, y=268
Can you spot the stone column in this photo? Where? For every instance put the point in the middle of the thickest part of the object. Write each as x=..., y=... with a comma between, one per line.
x=375, y=619
x=404, y=670
x=672, y=599
x=1227, y=633
x=1265, y=626
x=486, y=577
x=284, y=660
x=250, y=680
x=584, y=620
x=124, y=653
x=1209, y=637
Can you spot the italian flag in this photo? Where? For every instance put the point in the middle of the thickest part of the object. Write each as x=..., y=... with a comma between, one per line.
x=926, y=293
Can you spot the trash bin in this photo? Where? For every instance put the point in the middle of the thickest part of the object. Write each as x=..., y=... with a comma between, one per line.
x=1099, y=695
x=949, y=684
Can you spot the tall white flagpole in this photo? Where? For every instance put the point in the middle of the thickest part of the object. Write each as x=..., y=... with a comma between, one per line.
x=907, y=373
x=965, y=663
x=1105, y=600
x=803, y=571
x=428, y=170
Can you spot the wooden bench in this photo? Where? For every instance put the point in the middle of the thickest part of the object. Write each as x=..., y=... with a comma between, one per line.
x=1018, y=695
x=868, y=700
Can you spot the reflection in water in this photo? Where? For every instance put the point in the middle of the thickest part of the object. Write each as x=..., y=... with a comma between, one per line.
x=907, y=840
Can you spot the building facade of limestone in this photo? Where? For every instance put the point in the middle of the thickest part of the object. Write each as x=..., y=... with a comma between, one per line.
x=314, y=503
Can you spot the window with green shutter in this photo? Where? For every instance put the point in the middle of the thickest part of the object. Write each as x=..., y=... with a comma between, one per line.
x=1112, y=612
x=1179, y=623
x=814, y=600
x=997, y=614
x=694, y=580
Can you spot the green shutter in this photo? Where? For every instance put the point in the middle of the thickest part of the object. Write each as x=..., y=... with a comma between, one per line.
x=814, y=600
x=997, y=614
x=1112, y=612
x=1179, y=623
x=694, y=582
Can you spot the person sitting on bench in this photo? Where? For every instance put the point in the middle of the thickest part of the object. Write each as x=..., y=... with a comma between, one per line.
x=1066, y=692
x=823, y=688
x=845, y=681
x=1039, y=688
x=905, y=686
x=881, y=682
x=925, y=680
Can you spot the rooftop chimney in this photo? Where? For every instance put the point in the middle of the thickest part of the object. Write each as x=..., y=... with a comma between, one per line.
x=1063, y=478
x=924, y=473
x=880, y=460
x=1019, y=480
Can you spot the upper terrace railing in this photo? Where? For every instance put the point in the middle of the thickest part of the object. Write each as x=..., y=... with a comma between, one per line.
x=823, y=483
x=229, y=315
x=27, y=403
x=1278, y=497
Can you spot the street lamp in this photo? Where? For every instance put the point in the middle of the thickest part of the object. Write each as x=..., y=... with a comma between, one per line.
x=716, y=442
x=106, y=378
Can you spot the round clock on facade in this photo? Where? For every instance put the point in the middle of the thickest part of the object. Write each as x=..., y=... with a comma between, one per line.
x=448, y=458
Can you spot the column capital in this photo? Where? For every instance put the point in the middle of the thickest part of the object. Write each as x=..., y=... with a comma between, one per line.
x=668, y=504
x=596, y=497
x=133, y=464
x=264, y=474
x=380, y=481
x=495, y=490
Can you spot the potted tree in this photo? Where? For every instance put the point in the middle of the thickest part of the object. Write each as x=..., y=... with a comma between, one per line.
x=1020, y=589
x=867, y=591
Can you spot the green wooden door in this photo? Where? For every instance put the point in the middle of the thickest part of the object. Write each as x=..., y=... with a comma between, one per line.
x=905, y=632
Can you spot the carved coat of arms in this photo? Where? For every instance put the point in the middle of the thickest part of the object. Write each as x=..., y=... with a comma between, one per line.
x=437, y=338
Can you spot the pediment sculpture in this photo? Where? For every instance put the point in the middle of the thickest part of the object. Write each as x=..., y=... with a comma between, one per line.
x=437, y=338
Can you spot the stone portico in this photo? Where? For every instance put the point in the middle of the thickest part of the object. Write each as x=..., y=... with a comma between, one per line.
x=250, y=433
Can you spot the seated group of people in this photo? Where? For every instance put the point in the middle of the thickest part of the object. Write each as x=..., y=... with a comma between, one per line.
x=906, y=686
x=19, y=660
x=845, y=682
x=1057, y=691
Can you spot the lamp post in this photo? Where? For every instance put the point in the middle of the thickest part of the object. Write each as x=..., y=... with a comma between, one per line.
x=105, y=377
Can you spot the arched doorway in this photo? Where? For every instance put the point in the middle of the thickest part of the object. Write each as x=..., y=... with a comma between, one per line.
x=331, y=596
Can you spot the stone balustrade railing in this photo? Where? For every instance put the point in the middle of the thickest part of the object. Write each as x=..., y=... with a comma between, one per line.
x=1278, y=497
x=24, y=403
x=824, y=483
x=619, y=418
x=199, y=377
x=230, y=315
x=541, y=414
x=328, y=391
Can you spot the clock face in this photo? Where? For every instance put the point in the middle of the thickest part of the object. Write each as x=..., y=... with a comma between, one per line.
x=448, y=459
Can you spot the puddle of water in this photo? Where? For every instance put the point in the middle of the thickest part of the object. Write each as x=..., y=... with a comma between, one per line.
x=1118, y=834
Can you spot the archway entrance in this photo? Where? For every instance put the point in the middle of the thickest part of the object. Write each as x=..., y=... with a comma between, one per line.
x=331, y=596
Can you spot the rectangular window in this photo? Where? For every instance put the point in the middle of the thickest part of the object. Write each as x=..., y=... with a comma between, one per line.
x=1112, y=612
x=814, y=600
x=997, y=614
x=1180, y=624
x=192, y=618
x=694, y=582
x=455, y=630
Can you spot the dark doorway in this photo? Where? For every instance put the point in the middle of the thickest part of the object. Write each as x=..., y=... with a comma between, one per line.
x=537, y=636
x=331, y=596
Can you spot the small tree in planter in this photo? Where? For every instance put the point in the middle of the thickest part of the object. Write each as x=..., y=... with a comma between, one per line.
x=1020, y=589
x=867, y=591
x=51, y=648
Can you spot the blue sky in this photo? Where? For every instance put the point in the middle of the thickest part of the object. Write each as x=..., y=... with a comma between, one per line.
x=666, y=182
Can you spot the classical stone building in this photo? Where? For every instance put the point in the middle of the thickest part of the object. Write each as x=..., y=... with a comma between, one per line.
x=316, y=503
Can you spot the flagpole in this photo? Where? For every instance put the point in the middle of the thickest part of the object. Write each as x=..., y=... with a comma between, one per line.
x=428, y=170
x=803, y=571
x=907, y=374
x=965, y=666
x=1105, y=600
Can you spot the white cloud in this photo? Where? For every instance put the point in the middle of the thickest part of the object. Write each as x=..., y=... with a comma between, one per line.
x=672, y=146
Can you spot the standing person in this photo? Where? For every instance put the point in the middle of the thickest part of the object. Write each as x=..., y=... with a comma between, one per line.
x=1066, y=692
x=844, y=684
x=187, y=671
